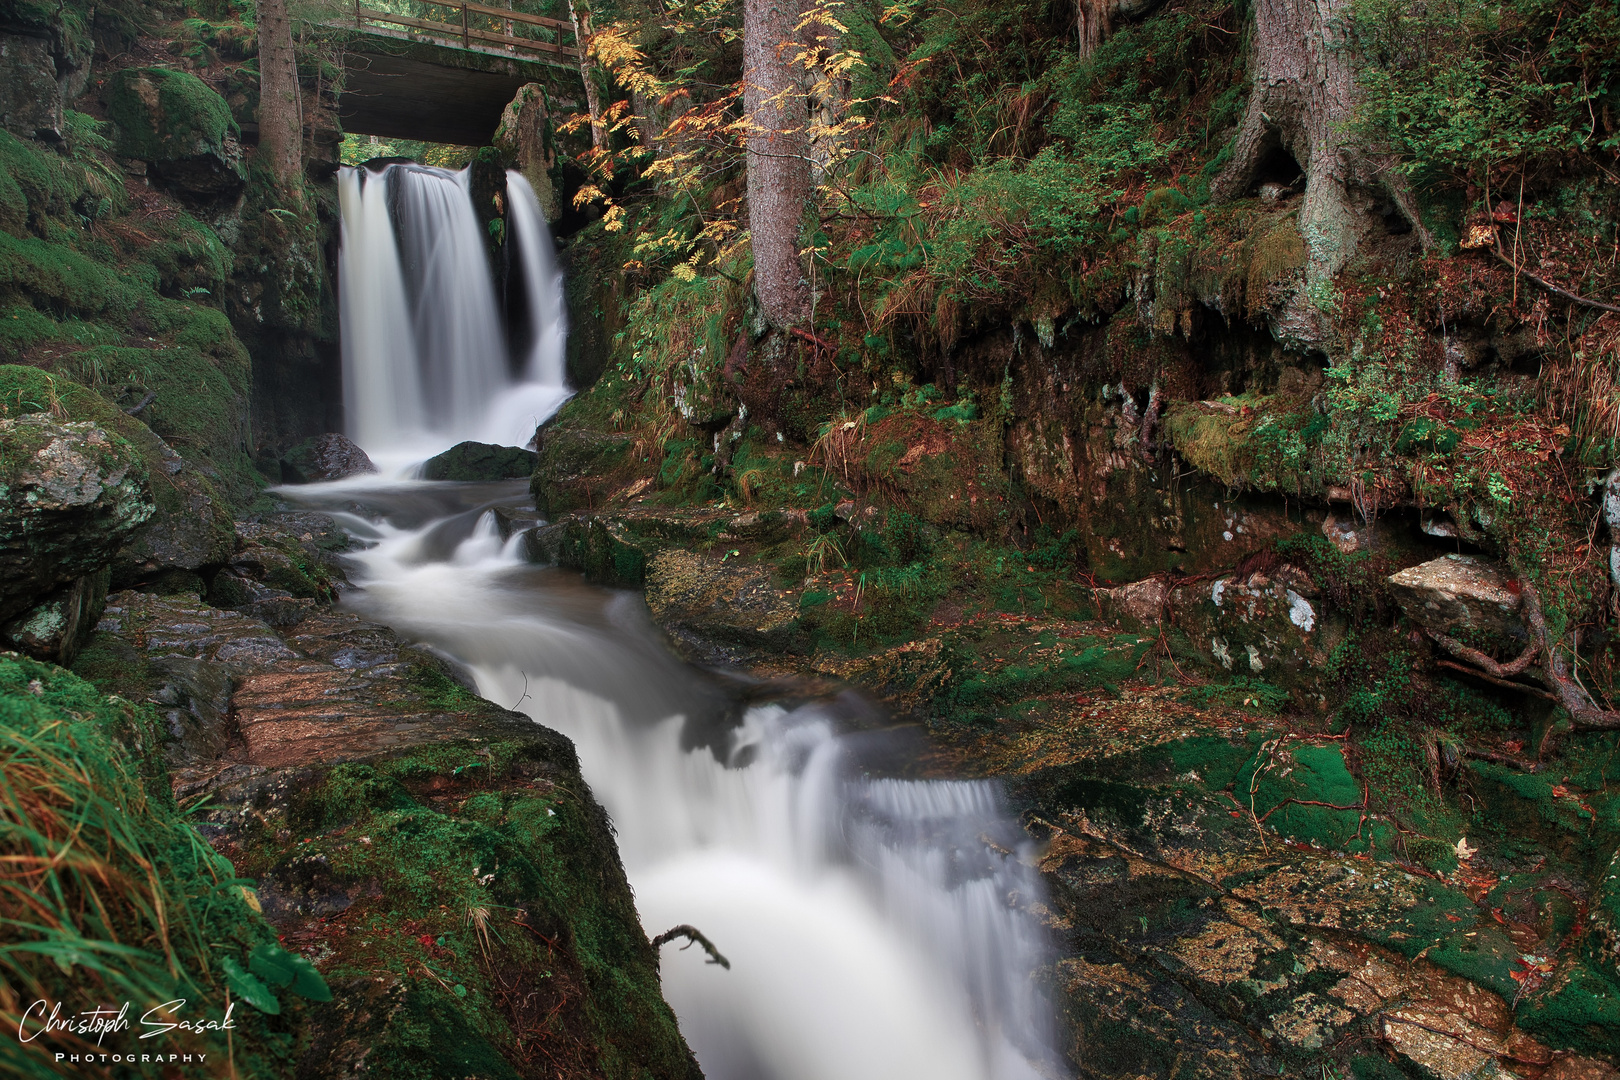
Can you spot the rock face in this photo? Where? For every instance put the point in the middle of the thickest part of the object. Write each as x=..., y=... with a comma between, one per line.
x=180, y=127
x=70, y=496
x=325, y=457
x=524, y=138
x=480, y=461
x=1460, y=592
x=55, y=629
x=30, y=102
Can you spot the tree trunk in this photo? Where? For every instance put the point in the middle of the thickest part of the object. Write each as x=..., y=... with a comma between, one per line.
x=581, y=17
x=281, y=122
x=778, y=156
x=1094, y=19
x=1303, y=102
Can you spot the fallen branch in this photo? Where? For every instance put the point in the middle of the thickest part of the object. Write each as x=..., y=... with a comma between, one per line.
x=1550, y=287
x=151, y=396
x=693, y=936
x=1502, y=759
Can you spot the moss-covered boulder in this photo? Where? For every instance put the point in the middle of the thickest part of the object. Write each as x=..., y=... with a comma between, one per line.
x=480, y=461
x=180, y=127
x=188, y=526
x=71, y=496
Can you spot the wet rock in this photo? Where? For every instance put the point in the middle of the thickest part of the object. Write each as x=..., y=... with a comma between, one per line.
x=1267, y=624
x=578, y=468
x=511, y=520
x=1460, y=592
x=480, y=461
x=613, y=548
x=57, y=628
x=325, y=457
x=70, y=496
x=194, y=700
x=720, y=609
x=180, y=127
x=191, y=529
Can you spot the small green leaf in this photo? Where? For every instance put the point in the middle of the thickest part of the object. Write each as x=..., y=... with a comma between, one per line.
x=248, y=987
x=282, y=968
x=461, y=991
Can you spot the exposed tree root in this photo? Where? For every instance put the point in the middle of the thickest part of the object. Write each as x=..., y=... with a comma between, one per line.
x=1553, y=670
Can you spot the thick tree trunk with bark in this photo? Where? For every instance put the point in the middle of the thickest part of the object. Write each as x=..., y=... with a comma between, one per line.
x=1303, y=102
x=779, y=180
x=281, y=121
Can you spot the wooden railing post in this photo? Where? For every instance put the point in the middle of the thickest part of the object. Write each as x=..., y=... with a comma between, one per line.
x=357, y=23
x=466, y=43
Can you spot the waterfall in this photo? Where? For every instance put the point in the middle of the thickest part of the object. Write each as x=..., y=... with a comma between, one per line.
x=426, y=362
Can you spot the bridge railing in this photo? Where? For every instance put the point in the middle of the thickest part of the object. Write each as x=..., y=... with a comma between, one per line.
x=470, y=36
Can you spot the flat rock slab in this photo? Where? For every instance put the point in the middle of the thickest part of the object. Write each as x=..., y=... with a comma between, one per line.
x=1460, y=592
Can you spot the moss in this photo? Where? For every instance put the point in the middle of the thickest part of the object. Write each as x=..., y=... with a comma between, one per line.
x=164, y=115
x=502, y=827
x=1579, y=1010
x=1306, y=793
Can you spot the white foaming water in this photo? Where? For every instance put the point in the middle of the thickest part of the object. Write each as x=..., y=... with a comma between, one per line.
x=877, y=928
x=425, y=359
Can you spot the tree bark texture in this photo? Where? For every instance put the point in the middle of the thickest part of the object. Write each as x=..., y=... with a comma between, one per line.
x=1303, y=100
x=778, y=158
x=281, y=122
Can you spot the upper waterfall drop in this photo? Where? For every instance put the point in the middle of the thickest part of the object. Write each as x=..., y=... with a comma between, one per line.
x=426, y=360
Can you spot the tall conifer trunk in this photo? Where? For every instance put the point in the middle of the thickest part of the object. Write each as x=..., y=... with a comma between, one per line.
x=779, y=180
x=281, y=122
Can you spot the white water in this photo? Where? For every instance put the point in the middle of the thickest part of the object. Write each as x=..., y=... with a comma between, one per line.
x=877, y=928
x=426, y=363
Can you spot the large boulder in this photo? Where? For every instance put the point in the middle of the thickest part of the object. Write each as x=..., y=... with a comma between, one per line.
x=180, y=127
x=71, y=495
x=325, y=457
x=480, y=461
x=1460, y=593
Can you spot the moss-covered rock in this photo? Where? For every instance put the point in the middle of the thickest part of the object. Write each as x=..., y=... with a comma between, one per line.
x=480, y=461
x=180, y=127
x=189, y=526
x=71, y=496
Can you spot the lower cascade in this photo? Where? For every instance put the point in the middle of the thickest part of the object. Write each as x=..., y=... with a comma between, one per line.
x=875, y=925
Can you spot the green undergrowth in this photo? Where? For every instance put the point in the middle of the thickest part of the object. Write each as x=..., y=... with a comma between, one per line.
x=109, y=893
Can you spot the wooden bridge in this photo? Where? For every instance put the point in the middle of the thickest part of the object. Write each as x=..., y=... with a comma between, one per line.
x=448, y=79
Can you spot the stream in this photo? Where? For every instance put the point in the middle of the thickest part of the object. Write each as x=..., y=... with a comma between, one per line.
x=877, y=925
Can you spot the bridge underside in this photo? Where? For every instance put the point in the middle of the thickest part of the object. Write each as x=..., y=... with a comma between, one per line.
x=420, y=90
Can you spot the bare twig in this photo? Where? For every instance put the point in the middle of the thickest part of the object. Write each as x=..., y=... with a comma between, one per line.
x=693, y=936
x=1550, y=287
